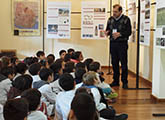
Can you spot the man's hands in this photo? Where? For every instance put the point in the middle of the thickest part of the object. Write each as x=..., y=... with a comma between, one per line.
x=106, y=33
x=116, y=35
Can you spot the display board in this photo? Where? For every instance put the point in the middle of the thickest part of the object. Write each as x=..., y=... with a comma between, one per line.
x=93, y=20
x=26, y=17
x=132, y=16
x=160, y=24
x=145, y=22
x=58, y=20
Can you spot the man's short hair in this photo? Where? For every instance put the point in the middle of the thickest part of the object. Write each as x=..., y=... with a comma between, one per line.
x=33, y=97
x=16, y=109
x=119, y=7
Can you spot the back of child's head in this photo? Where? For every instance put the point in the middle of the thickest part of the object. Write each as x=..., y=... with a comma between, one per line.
x=40, y=53
x=80, y=65
x=16, y=109
x=78, y=55
x=57, y=66
x=84, y=90
x=34, y=69
x=84, y=107
x=87, y=62
x=67, y=57
x=33, y=97
x=89, y=78
x=23, y=82
x=45, y=73
x=70, y=51
x=66, y=82
x=21, y=68
x=95, y=66
x=69, y=67
x=14, y=60
x=28, y=61
x=8, y=71
x=6, y=61
x=44, y=63
x=79, y=74
x=51, y=59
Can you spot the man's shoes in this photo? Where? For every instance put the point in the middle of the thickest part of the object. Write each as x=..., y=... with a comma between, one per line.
x=121, y=117
x=113, y=84
x=125, y=86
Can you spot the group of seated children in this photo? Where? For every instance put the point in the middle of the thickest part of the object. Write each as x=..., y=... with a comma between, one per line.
x=68, y=88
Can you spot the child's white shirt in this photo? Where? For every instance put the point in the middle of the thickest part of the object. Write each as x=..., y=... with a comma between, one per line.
x=36, y=115
x=63, y=103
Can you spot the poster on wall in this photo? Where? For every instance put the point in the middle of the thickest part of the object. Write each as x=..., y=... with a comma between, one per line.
x=123, y=4
x=93, y=20
x=58, y=20
x=160, y=24
x=26, y=17
x=132, y=16
x=145, y=22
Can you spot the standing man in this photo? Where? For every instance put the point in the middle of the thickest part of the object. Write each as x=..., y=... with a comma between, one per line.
x=119, y=30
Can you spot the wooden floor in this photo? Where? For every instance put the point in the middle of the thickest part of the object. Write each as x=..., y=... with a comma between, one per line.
x=136, y=103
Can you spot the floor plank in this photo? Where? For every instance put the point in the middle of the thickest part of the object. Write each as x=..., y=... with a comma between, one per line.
x=136, y=103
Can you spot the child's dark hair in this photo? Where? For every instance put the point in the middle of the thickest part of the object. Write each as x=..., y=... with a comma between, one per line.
x=40, y=53
x=43, y=63
x=67, y=57
x=16, y=109
x=34, y=68
x=79, y=75
x=76, y=55
x=66, y=82
x=50, y=59
x=84, y=107
x=13, y=60
x=45, y=73
x=87, y=62
x=94, y=66
x=80, y=65
x=69, y=67
x=21, y=68
x=62, y=51
x=6, y=71
x=23, y=82
x=57, y=65
x=70, y=50
x=5, y=61
x=28, y=61
x=33, y=97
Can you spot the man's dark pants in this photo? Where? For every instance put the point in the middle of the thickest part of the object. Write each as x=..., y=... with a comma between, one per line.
x=119, y=54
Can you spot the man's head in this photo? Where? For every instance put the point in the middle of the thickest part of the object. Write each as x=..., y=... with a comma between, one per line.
x=117, y=10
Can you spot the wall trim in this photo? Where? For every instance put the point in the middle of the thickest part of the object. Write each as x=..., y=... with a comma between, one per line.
x=156, y=100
